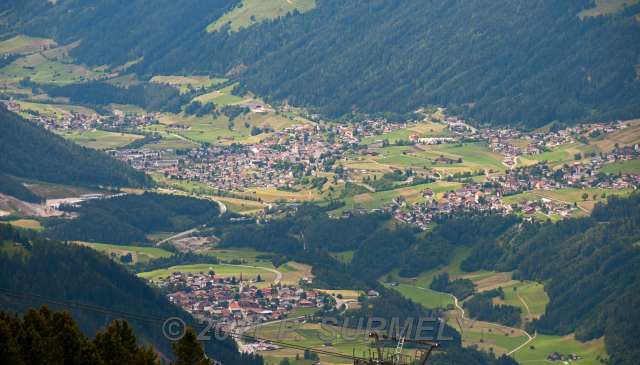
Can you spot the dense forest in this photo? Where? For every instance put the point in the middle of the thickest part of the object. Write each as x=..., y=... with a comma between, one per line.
x=129, y=218
x=28, y=262
x=516, y=61
x=150, y=96
x=31, y=152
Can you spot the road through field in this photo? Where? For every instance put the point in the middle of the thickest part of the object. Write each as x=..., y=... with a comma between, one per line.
x=463, y=318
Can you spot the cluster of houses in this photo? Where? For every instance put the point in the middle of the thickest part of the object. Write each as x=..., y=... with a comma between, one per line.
x=555, y=356
x=76, y=121
x=278, y=161
x=236, y=302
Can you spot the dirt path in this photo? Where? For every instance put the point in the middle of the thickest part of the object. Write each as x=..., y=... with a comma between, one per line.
x=463, y=318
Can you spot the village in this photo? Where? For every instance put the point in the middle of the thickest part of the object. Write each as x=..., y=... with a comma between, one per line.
x=238, y=302
x=308, y=155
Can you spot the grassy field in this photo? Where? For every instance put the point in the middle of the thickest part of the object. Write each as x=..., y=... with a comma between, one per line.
x=424, y=129
x=233, y=204
x=22, y=44
x=138, y=253
x=54, y=110
x=101, y=140
x=574, y=195
x=538, y=350
x=57, y=191
x=248, y=255
x=344, y=257
x=48, y=67
x=218, y=130
x=532, y=294
x=220, y=270
x=222, y=97
x=622, y=167
x=27, y=224
x=474, y=156
x=411, y=194
x=184, y=82
x=254, y=11
x=628, y=136
x=313, y=335
x=604, y=7
x=417, y=289
x=563, y=154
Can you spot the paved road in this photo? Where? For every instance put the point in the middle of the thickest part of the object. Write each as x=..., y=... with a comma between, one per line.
x=177, y=235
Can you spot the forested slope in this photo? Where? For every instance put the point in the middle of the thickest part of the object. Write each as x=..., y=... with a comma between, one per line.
x=514, y=61
x=31, y=152
x=592, y=270
x=129, y=218
x=88, y=277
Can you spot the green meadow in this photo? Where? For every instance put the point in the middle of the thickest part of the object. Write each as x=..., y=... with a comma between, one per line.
x=622, y=167
x=138, y=253
x=219, y=269
x=101, y=140
x=250, y=12
x=537, y=351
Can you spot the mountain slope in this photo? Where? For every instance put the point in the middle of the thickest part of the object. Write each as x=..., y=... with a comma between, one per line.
x=514, y=61
x=31, y=152
x=90, y=278
x=591, y=267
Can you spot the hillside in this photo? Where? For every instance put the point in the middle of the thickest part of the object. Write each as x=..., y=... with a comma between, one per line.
x=27, y=264
x=513, y=62
x=29, y=151
x=591, y=267
x=129, y=218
